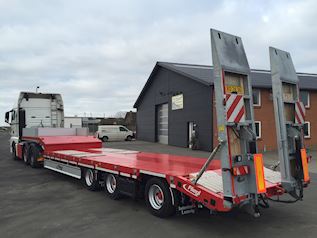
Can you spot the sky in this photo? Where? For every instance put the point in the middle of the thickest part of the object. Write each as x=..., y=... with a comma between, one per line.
x=98, y=54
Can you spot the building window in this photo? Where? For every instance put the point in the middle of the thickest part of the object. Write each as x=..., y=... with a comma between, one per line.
x=304, y=97
x=306, y=129
x=258, y=129
x=256, y=94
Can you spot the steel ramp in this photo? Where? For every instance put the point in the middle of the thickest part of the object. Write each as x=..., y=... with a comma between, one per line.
x=212, y=179
x=272, y=176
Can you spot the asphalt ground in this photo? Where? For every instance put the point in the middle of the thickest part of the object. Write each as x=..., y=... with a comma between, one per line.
x=43, y=203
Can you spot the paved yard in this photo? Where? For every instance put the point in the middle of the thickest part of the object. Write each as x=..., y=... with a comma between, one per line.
x=42, y=203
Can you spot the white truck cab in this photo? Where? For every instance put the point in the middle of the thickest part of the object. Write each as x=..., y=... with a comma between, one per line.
x=34, y=110
x=114, y=133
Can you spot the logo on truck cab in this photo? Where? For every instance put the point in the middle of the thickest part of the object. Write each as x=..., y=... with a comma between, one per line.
x=189, y=188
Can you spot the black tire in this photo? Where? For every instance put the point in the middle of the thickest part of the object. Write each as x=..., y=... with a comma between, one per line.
x=158, y=198
x=111, y=186
x=34, y=153
x=129, y=138
x=14, y=152
x=105, y=138
x=90, y=179
x=26, y=154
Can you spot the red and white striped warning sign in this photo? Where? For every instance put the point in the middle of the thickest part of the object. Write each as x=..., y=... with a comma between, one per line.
x=235, y=108
x=299, y=112
x=241, y=170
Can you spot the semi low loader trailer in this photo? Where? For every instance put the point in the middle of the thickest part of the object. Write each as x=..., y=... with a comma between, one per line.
x=170, y=183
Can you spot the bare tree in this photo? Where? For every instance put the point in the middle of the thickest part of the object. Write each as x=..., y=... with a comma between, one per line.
x=120, y=114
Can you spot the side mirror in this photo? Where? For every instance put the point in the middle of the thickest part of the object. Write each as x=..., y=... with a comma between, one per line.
x=7, y=116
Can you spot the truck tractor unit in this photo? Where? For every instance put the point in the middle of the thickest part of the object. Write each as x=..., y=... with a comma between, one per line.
x=33, y=110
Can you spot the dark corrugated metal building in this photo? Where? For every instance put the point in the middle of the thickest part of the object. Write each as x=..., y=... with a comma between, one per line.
x=177, y=100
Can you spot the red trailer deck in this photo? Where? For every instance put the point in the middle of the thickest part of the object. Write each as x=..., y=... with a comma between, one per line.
x=86, y=152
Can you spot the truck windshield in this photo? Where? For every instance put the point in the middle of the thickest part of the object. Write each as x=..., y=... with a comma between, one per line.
x=7, y=117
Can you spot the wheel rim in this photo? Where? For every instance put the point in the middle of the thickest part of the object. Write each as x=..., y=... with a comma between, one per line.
x=156, y=197
x=32, y=159
x=89, y=177
x=111, y=183
x=25, y=158
x=13, y=151
x=105, y=139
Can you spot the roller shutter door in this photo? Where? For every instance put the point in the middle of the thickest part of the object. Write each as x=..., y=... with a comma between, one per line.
x=162, y=123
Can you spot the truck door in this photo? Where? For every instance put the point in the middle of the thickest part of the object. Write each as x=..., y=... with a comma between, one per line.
x=14, y=123
x=21, y=121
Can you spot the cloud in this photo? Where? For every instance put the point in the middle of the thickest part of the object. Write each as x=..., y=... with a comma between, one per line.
x=98, y=55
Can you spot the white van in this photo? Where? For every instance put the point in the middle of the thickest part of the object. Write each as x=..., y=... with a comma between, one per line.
x=114, y=133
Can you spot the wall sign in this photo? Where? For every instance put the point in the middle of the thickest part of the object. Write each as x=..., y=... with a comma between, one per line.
x=178, y=102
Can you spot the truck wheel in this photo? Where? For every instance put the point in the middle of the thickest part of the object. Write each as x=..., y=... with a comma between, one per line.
x=158, y=198
x=105, y=138
x=14, y=152
x=90, y=180
x=26, y=154
x=111, y=186
x=34, y=155
x=129, y=138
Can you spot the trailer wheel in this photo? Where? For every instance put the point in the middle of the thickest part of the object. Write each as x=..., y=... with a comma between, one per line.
x=158, y=198
x=105, y=138
x=26, y=154
x=14, y=152
x=111, y=186
x=90, y=180
x=34, y=153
